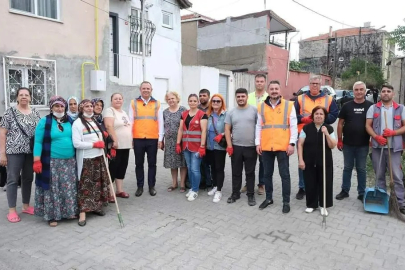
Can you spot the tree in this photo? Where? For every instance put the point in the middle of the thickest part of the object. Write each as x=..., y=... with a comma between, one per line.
x=297, y=65
x=374, y=77
x=398, y=36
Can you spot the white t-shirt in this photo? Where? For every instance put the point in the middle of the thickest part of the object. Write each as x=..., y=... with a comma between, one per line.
x=92, y=137
x=122, y=127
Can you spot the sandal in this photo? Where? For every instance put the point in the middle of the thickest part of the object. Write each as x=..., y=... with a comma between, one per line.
x=52, y=223
x=13, y=217
x=122, y=195
x=82, y=223
x=29, y=210
x=182, y=189
x=171, y=188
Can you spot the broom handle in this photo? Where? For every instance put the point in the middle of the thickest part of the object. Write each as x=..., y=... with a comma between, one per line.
x=389, y=150
x=324, y=172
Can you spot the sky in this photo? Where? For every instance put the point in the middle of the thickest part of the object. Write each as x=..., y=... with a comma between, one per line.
x=388, y=13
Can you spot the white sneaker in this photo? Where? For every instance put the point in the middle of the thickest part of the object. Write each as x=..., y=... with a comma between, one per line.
x=309, y=210
x=324, y=212
x=192, y=196
x=189, y=192
x=212, y=191
x=217, y=197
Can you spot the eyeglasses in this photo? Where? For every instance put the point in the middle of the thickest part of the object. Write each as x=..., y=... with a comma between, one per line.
x=60, y=127
x=216, y=101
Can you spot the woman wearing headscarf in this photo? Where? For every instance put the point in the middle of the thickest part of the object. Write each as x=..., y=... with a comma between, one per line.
x=17, y=128
x=98, y=107
x=55, y=165
x=93, y=190
x=73, y=103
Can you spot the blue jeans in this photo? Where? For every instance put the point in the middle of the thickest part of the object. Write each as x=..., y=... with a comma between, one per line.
x=193, y=161
x=354, y=155
x=268, y=158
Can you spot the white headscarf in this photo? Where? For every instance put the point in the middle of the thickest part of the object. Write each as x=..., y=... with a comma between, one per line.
x=76, y=114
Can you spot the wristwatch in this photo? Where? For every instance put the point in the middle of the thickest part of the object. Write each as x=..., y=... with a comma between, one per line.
x=292, y=144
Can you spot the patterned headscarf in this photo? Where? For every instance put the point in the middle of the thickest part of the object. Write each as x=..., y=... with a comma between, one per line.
x=71, y=114
x=57, y=100
x=83, y=103
x=98, y=117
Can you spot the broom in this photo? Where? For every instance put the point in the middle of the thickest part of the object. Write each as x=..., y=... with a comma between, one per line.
x=393, y=202
x=324, y=183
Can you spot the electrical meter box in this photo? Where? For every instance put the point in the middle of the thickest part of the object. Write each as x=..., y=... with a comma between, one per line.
x=98, y=80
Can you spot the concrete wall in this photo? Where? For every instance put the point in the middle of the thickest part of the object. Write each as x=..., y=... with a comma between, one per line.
x=196, y=78
x=397, y=78
x=277, y=62
x=189, y=53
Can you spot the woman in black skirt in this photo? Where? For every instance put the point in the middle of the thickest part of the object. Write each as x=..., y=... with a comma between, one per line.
x=310, y=153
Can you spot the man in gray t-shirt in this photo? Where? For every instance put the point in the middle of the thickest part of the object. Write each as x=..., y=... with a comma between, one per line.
x=240, y=126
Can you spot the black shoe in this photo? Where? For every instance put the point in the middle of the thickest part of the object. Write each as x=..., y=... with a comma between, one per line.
x=82, y=223
x=251, y=200
x=233, y=198
x=152, y=191
x=100, y=213
x=286, y=208
x=360, y=197
x=139, y=192
x=188, y=186
x=301, y=194
x=265, y=204
x=402, y=210
x=343, y=194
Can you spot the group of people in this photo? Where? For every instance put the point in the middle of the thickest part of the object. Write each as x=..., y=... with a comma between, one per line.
x=79, y=147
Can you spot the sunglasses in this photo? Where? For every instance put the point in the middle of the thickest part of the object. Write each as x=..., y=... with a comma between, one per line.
x=216, y=101
x=60, y=127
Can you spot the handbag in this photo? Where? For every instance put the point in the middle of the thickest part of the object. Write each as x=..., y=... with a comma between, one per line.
x=222, y=142
x=32, y=139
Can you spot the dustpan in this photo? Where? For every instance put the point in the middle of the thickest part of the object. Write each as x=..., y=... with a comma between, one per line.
x=376, y=200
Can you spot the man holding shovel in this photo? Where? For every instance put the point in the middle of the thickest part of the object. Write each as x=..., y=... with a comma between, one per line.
x=387, y=131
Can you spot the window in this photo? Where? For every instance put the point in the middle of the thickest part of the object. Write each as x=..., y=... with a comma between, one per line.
x=136, y=33
x=167, y=19
x=41, y=8
x=37, y=74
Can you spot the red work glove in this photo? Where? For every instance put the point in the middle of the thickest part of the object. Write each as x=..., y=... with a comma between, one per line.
x=113, y=152
x=201, y=151
x=105, y=133
x=340, y=144
x=389, y=133
x=306, y=120
x=381, y=140
x=218, y=138
x=178, y=149
x=37, y=166
x=229, y=150
x=98, y=144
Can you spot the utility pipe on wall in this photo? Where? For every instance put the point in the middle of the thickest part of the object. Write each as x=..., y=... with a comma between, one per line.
x=289, y=57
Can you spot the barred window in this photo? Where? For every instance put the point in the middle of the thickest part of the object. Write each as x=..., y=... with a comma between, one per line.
x=136, y=33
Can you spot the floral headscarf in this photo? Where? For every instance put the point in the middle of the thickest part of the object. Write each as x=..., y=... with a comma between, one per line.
x=71, y=114
x=83, y=103
x=57, y=100
x=98, y=117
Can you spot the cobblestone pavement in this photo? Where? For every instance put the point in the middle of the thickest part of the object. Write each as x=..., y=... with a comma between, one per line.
x=168, y=232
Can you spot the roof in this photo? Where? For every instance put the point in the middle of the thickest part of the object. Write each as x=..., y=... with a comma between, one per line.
x=196, y=17
x=277, y=24
x=346, y=33
x=184, y=4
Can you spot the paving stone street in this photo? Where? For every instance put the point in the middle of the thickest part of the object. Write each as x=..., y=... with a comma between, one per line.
x=168, y=232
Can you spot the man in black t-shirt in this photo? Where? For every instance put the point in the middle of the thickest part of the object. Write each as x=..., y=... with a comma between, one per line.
x=353, y=140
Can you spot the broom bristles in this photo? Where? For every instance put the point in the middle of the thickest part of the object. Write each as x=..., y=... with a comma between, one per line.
x=393, y=204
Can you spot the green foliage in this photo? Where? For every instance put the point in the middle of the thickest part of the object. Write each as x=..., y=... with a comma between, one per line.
x=357, y=72
x=398, y=36
x=296, y=65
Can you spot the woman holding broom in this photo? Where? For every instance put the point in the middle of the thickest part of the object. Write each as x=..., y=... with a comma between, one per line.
x=310, y=154
x=93, y=190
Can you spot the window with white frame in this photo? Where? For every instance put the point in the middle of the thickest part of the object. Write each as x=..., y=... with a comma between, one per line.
x=41, y=8
x=167, y=19
x=37, y=74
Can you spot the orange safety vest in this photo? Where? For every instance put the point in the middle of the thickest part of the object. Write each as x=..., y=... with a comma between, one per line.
x=192, y=136
x=307, y=105
x=145, y=124
x=276, y=133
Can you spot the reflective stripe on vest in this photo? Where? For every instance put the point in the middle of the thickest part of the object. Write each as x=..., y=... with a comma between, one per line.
x=191, y=139
x=136, y=117
x=192, y=132
x=283, y=126
x=303, y=105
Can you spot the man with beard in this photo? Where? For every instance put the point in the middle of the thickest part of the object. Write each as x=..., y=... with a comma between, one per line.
x=241, y=122
x=276, y=134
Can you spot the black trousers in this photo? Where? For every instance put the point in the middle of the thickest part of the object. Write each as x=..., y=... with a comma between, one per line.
x=243, y=156
x=150, y=147
x=313, y=178
x=118, y=166
x=216, y=160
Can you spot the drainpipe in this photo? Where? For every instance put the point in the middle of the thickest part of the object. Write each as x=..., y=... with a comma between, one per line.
x=289, y=57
